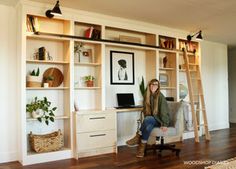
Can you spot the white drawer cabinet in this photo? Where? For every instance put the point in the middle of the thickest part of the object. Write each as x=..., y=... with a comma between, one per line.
x=95, y=122
x=95, y=132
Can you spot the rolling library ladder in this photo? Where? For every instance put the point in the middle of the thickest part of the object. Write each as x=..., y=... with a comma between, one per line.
x=196, y=96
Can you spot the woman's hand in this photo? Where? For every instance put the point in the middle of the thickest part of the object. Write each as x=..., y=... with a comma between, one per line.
x=164, y=129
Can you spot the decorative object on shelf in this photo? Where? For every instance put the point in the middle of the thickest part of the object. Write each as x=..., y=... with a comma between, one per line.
x=47, y=142
x=33, y=79
x=164, y=79
x=188, y=45
x=49, y=79
x=124, y=38
x=167, y=42
x=56, y=11
x=142, y=87
x=165, y=59
x=183, y=91
x=96, y=34
x=198, y=37
x=122, y=67
x=32, y=24
x=56, y=74
x=40, y=109
x=42, y=53
x=86, y=56
x=78, y=49
x=76, y=106
x=89, y=80
x=88, y=32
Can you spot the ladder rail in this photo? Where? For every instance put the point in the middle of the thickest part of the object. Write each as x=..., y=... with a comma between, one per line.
x=207, y=134
x=200, y=95
x=191, y=96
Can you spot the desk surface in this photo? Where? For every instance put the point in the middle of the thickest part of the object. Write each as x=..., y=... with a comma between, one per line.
x=129, y=109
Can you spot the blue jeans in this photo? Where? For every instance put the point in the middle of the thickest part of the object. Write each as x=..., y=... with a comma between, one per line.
x=148, y=124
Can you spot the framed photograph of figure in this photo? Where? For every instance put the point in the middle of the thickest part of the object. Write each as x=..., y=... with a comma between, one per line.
x=122, y=67
x=164, y=79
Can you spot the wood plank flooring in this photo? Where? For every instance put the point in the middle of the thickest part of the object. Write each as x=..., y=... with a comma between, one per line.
x=221, y=147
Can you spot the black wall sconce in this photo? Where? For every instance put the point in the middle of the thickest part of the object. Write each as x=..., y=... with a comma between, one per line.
x=54, y=12
x=198, y=37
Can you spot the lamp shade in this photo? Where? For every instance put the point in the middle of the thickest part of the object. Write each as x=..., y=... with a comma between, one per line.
x=199, y=36
x=56, y=10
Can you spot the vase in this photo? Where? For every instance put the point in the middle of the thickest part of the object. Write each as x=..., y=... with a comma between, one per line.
x=36, y=114
x=89, y=83
x=33, y=81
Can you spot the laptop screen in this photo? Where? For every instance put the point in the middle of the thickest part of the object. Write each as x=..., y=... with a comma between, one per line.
x=125, y=99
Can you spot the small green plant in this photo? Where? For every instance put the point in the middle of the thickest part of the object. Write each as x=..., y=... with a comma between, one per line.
x=49, y=78
x=33, y=73
x=142, y=87
x=78, y=47
x=44, y=105
x=89, y=78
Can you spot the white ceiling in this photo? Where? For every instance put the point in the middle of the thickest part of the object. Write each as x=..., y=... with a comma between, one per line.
x=216, y=18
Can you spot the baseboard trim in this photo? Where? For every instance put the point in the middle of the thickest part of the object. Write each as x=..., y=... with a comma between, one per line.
x=218, y=126
x=8, y=157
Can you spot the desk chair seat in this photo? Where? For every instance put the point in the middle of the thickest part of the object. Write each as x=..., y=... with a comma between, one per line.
x=175, y=130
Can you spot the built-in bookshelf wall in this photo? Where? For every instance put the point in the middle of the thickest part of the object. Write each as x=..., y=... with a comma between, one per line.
x=77, y=58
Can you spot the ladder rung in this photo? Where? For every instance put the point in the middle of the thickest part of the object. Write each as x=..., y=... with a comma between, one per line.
x=194, y=102
x=200, y=109
x=193, y=64
x=196, y=79
x=202, y=125
x=200, y=94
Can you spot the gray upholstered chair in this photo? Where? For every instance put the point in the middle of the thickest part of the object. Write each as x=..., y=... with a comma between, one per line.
x=175, y=130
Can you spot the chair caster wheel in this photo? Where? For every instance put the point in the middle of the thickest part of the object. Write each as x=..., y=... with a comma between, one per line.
x=177, y=153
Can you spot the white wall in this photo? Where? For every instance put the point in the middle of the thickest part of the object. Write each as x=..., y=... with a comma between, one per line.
x=8, y=117
x=232, y=84
x=215, y=83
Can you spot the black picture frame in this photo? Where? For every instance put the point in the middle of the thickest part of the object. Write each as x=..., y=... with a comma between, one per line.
x=122, y=68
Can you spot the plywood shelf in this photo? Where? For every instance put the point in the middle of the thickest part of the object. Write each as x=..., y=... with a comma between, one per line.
x=87, y=88
x=47, y=88
x=167, y=69
x=56, y=118
x=46, y=62
x=33, y=153
x=87, y=64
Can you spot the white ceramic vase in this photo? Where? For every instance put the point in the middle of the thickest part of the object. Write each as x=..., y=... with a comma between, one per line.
x=36, y=114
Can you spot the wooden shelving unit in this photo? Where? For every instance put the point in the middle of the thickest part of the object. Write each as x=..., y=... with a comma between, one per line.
x=61, y=37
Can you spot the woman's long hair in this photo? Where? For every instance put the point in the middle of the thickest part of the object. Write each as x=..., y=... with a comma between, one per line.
x=147, y=103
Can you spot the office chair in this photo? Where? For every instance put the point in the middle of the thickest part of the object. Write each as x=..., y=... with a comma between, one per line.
x=175, y=130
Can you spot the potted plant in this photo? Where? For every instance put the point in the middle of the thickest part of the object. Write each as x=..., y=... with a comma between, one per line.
x=40, y=109
x=89, y=80
x=33, y=79
x=49, y=79
x=142, y=87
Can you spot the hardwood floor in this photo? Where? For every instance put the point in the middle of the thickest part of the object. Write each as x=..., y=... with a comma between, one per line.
x=221, y=147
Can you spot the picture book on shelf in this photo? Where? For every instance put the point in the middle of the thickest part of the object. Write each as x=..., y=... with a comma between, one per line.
x=88, y=32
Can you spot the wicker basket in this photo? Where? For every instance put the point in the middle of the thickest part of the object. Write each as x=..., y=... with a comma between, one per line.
x=45, y=143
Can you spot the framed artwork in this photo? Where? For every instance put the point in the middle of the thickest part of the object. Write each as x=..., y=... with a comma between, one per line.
x=122, y=67
x=164, y=79
x=86, y=56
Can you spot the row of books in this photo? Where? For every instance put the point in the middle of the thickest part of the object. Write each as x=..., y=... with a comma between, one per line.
x=92, y=33
x=32, y=24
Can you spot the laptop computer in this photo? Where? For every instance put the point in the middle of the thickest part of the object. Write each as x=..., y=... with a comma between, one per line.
x=126, y=100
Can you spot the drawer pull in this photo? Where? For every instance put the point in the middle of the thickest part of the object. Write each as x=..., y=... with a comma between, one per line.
x=96, y=118
x=97, y=135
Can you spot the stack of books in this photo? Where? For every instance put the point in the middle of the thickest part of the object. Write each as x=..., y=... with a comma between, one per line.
x=92, y=33
x=32, y=24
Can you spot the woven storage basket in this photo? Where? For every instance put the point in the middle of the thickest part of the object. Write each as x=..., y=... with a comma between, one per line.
x=45, y=143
